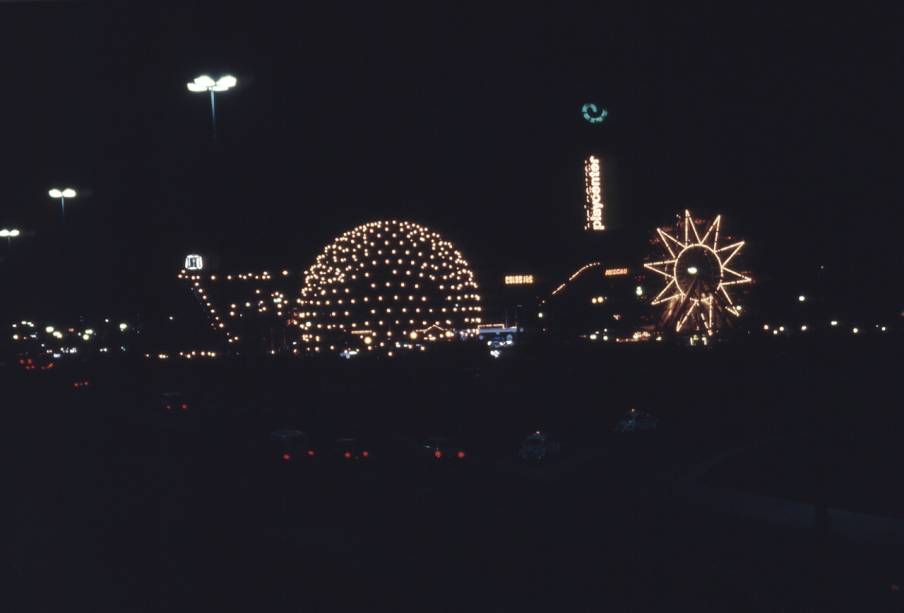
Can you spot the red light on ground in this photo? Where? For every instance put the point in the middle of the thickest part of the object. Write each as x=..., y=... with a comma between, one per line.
x=437, y=454
x=286, y=456
x=310, y=453
x=460, y=455
x=184, y=406
x=348, y=455
x=365, y=454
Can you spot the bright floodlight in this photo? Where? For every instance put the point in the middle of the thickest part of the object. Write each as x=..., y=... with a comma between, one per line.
x=4, y=233
x=68, y=193
x=224, y=83
x=205, y=84
x=201, y=84
x=14, y=233
x=55, y=193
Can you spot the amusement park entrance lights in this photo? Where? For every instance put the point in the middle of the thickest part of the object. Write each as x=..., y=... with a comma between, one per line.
x=205, y=84
x=62, y=195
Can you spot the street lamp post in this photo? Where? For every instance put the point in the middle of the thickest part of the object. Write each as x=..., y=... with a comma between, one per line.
x=62, y=195
x=205, y=84
x=9, y=235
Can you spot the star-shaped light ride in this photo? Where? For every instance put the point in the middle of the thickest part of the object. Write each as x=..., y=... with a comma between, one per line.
x=698, y=277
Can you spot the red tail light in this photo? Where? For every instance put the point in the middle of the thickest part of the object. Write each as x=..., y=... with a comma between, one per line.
x=184, y=406
x=286, y=456
x=348, y=455
x=460, y=455
x=437, y=454
x=365, y=454
x=311, y=453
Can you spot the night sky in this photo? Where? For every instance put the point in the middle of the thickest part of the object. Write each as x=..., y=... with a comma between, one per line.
x=464, y=118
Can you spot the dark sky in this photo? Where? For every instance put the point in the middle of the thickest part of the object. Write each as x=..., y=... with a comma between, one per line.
x=465, y=118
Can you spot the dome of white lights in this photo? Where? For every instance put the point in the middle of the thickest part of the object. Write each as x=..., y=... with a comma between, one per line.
x=387, y=286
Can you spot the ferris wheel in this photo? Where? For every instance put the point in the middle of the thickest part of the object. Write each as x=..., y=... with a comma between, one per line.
x=699, y=274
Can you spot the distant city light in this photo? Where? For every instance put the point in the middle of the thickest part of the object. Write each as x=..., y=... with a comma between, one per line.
x=638, y=291
x=49, y=329
x=856, y=330
x=833, y=323
x=801, y=298
x=123, y=327
x=692, y=270
x=615, y=272
x=540, y=314
x=803, y=328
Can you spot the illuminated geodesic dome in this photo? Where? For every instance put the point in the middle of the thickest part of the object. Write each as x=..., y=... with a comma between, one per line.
x=387, y=286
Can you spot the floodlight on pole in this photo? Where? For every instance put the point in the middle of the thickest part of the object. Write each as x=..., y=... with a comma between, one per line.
x=62, y=194
x=206, y=84
x=9, y=235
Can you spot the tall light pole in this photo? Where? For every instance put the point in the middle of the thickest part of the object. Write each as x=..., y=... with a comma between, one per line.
x=206, y=84
x=62, y=195
x=9, y=235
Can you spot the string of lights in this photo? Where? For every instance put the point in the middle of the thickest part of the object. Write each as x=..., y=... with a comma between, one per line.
x=384, y=281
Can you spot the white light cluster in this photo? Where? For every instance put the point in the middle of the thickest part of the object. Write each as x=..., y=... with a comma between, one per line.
x=383, y=283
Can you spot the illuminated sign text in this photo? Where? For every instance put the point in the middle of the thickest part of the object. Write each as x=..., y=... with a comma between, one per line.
x=593, y=189
x=519, y=279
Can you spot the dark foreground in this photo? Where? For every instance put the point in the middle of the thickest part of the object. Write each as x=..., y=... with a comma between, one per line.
x=118, y=507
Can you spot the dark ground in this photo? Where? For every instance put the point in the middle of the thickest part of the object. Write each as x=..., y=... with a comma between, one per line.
x=118, y=507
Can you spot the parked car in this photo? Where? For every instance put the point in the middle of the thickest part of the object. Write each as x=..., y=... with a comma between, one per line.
x=442, y=449
x=174, y=402
x=636, y=421
x=82, y=384
x=351, y=449
x=292, y=446
x=538, y=447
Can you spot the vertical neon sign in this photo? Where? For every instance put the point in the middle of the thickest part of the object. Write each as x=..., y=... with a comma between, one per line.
x=593, y=189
